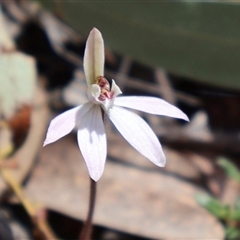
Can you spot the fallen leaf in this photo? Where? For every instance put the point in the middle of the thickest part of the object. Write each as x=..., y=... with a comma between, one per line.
x=134, y=200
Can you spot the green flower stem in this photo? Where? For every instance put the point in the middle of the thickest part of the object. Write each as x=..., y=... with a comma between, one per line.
x=87, y=229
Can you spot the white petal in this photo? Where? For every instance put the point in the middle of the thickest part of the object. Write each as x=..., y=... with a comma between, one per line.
x=138, y=133
x=115, y=88
x=93, y=61
x=93, y=93
x=92, y=142
x=64, y=123
x=151, y=105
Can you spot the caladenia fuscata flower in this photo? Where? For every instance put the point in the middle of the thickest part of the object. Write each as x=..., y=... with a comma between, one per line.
x=104, y=98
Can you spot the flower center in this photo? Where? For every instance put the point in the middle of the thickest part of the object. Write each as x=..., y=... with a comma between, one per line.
x=104, y=85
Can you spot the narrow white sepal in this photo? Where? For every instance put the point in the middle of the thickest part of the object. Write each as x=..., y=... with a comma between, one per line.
x=151, y=105
x=92, y=142
x=61, y=125
x=138, y=133
x=65, y=122
x=93, y=61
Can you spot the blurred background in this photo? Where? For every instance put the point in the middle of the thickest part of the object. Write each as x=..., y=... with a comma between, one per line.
x=186, y=52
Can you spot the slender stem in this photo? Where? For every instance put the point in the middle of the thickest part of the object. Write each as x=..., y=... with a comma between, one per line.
x=87, y=229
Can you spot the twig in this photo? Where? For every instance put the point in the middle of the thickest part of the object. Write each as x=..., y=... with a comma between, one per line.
x=29, y=207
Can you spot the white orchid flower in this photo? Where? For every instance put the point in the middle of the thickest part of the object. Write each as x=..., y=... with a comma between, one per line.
x=103, y=98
